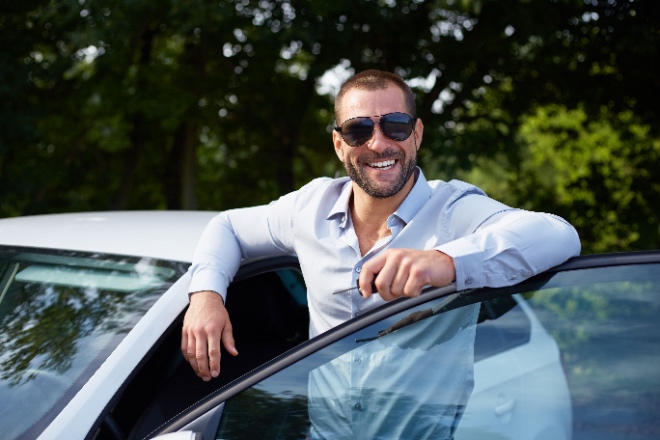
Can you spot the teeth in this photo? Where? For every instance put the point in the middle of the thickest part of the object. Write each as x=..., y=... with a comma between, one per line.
x=383, y=164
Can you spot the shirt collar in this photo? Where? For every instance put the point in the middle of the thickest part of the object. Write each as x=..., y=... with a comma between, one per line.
x=340, y=208
x=417, y=197
x=415, y=200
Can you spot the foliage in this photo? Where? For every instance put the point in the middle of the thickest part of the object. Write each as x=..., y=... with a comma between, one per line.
x=48, y=330
x=598, y=172
x=108, y=104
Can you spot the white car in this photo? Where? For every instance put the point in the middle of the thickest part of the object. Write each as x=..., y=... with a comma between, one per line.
x=90, y=319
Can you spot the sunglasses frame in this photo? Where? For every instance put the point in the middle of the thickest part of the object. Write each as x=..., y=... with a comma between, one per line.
x=355, y=144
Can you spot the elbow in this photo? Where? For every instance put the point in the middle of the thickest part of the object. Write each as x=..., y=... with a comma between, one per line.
x=565, y=237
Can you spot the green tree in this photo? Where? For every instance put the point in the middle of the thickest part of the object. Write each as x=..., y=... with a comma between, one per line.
x=190, y=104
x=598, y=172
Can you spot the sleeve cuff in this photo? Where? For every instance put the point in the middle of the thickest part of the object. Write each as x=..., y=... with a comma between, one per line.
x=468, y=262
x=209, y=279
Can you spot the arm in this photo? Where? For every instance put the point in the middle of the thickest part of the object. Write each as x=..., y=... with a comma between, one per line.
x=506, y=249
x=511, y=247
x=228, y=238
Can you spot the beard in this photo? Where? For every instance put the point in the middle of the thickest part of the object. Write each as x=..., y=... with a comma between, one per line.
x=357, y=174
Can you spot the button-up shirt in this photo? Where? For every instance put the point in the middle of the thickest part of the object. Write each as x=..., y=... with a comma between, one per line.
x=491, y=244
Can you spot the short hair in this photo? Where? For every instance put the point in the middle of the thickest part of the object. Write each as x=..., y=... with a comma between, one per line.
x=373, y=79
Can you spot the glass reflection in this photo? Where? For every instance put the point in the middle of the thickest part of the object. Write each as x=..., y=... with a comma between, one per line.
x=369, y=385
x=568, y=356
x=60, y=316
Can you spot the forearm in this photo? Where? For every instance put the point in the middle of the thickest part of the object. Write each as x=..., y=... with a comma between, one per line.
x=511, y=247
x=217, y=257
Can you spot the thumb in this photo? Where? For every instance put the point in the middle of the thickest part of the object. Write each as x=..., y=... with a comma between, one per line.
x=227, y=338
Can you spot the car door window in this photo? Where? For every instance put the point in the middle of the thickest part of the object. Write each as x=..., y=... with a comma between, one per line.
x=368, y=385
x=605, y=323
x=503, y=325
x=572, y=356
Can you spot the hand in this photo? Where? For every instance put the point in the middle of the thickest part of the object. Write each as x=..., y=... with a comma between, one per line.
x=405, y=272
x=205, y=325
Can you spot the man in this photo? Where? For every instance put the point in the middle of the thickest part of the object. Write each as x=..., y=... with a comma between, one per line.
x=385, y=224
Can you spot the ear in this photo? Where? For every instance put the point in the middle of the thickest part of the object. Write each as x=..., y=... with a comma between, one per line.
x=338, y=143
x=419, y=132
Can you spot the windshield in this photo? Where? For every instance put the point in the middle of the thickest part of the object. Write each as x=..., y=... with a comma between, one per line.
x=61, y=315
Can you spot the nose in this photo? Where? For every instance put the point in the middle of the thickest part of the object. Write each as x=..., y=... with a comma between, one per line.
x=378, y=141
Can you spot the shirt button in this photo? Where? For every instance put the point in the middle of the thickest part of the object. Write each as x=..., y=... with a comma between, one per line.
x=468, y=281
x=357, y=407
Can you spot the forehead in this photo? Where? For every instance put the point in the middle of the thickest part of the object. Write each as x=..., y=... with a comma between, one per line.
x=359, y=102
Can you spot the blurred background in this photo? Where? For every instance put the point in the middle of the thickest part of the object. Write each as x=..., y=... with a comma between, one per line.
x=549, y=105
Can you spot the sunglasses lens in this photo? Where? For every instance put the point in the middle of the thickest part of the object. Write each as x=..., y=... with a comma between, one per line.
x=357, y=131
x=397, y=126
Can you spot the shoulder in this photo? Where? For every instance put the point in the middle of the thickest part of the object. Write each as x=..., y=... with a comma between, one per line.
x=463, y=206
x=454, y=190
x=323, y=183
x=322, y=190
x=322, y=187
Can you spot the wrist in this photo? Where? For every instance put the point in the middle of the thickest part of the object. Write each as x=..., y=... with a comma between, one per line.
x=205, y=295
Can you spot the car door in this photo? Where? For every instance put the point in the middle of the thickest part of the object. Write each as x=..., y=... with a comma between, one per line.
x=577, y=358
x=405, y=371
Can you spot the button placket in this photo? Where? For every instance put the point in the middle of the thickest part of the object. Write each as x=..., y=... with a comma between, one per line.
x=355, y=293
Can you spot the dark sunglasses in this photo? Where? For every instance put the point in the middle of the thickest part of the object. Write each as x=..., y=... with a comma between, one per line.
x=357, y=131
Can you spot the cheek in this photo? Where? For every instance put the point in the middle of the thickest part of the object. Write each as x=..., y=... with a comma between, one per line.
x=343, y=154
x=339, y=150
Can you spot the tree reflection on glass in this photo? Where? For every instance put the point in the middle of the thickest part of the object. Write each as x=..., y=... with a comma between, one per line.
x=271, y=415
x=47, y=326
x=606, y=328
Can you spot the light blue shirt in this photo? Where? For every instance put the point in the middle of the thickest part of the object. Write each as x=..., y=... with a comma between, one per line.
x=491, y=243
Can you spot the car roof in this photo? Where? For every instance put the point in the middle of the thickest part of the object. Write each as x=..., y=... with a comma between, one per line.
x=168, y=235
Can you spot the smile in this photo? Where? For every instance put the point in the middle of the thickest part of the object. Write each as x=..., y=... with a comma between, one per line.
x=383, y=165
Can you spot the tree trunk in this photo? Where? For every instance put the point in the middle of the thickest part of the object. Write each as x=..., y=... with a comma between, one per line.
x=189, y=168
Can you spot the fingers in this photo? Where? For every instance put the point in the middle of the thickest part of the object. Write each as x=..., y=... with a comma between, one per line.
x=389, y=273
x=405, y=272
x=201, y=357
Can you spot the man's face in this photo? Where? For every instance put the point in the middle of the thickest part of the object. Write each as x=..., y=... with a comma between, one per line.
x=381, y=167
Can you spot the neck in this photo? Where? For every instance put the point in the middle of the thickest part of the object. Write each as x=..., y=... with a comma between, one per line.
x=369, y=214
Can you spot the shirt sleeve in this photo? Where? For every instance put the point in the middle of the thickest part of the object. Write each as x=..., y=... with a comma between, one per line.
x=230, y=237
x=511, y=246
x=237, y=234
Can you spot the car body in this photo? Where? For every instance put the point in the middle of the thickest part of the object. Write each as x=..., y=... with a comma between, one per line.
x=91, y=307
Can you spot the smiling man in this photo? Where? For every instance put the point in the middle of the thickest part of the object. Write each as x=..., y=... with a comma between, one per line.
x=385, y=225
